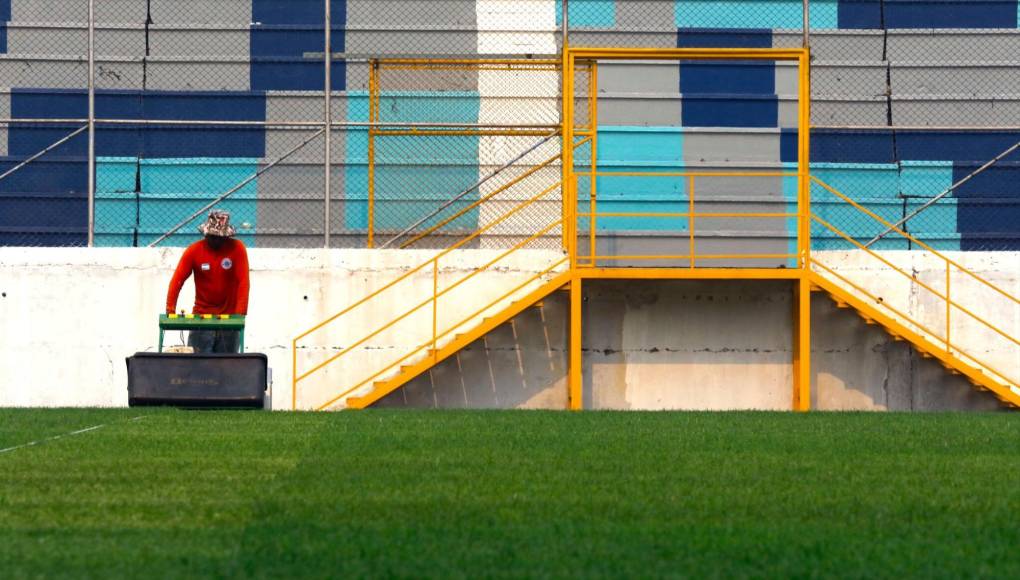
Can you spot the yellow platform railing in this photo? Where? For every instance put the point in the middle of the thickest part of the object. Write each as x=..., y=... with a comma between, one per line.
x=541, y=229
x=954, y=327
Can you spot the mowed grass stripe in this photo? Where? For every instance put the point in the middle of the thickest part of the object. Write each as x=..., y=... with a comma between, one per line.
x=519, y=494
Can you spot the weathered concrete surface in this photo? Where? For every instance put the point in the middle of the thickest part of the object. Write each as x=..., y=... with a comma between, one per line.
x=690, y=345
x=69, y=317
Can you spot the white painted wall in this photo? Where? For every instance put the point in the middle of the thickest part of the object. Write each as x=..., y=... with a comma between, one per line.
x=69, y=317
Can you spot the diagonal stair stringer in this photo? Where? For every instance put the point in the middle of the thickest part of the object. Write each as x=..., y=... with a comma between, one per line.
x=433, y=357
x=1006, y=393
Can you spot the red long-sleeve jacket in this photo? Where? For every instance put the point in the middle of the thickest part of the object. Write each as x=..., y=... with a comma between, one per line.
x=221, y=278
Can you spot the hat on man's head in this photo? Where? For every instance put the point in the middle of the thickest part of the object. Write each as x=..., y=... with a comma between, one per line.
x=218, y=224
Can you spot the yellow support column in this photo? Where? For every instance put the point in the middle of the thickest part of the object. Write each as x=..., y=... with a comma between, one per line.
x=802, y=343
x=574, y=372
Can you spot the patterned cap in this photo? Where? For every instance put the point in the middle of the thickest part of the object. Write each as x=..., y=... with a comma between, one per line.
x=218, y=224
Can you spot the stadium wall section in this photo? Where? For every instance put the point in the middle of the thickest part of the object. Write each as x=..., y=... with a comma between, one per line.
x=73, y=315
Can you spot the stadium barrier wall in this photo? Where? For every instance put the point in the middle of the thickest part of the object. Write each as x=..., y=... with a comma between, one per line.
x=73, y=315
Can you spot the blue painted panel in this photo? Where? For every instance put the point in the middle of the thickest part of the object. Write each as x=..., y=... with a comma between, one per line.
x=292, y=74
x=123, y=141
x=736, y=77
x=838, y=146
x=724, y=38
x=297, y=11
x=860, y=14
x=754, y=14
x=989, y=223
x=5, y=16
x=954, y=145
x=588, y=13
x=999, y=180
x=730, y=111
x=951, y=14
x=295, y=41
x=28, y=219
x=48, y=174
x=174, y=142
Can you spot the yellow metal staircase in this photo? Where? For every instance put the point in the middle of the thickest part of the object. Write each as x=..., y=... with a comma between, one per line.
x=438, y=307
x=919, y=295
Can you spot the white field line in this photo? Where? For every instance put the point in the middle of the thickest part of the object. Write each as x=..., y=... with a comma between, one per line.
x=55, y=437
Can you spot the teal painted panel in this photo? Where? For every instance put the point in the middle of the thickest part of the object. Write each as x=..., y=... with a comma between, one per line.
x=791, y=192
x=755, y=14
x=937, y=225
x=115, y=174
x=214, y=176
x=588, y=13
x=116, y=203
x=638, y=150
x=160, y=212
x=636, y=146
x=414, y=175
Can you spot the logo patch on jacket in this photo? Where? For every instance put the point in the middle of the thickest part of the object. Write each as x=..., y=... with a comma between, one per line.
x=227, y=263
x=205, y=267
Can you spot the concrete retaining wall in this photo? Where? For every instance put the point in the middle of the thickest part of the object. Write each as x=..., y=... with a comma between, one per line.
x=68, y=318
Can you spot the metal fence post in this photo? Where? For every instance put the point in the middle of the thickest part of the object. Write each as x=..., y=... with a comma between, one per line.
x=92, y=126
x=807, y=24
x=328, y=90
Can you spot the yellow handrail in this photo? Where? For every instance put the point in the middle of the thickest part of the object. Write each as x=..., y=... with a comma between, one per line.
x=950, y=348
x=435, y=297
x=481, y=200
x=899, y=270
x=407, y=274
x=915, y=240
x=420, y=347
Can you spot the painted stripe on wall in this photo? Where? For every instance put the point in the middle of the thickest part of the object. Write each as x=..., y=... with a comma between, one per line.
x=754, y=14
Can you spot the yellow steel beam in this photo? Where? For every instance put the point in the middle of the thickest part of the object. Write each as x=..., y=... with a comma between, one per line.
x=687, y=273
x=595, y=53
x=575, y=394
x=384, y=388
x=922, y=343
x=802, y=343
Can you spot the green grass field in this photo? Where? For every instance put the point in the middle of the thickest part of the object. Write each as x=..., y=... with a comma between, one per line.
x=468, y=494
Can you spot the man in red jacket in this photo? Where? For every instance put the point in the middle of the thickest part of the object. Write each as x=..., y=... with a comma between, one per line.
x=220, y=266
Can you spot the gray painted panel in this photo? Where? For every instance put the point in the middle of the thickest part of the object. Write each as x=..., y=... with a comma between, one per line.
x=948, y=46
x=389, y=42
x=985, y=79
x=652, y=245
x=201, y=12
x=357, y=76
x=119, y=75
x=5, y=112
x=280, y=141
x=50, y=11
x=645, y=14
x=787, y=79
x=639, y=112
x=789, y=113
x=868, y=113
x=176, y=76
x=301, y=106
x=852, y=45
x=647, y=77
x=977, y=112
x=457, y=13
x=857, y=79
x=759, y=187
x=42, y=41
x=43, y=74
x=428, y=80
x=191, y=43
x=106, y=11
x=649, y=39
x=731, y=146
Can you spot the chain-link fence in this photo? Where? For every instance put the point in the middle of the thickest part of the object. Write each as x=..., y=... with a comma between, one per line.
x=222, y=102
